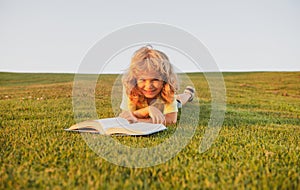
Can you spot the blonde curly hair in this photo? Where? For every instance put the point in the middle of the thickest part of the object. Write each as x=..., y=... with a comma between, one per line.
x=148, y=59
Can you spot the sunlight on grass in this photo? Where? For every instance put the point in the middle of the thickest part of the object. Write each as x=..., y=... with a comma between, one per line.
x=258, y=147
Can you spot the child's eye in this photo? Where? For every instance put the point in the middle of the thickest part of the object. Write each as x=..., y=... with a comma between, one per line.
x=157, y=80
x=141, y=80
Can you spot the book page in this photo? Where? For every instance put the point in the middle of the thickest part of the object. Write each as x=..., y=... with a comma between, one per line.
x=146, y=127
x=116, y=125
x=136, y=129
x=87, y=126
x=113, y=122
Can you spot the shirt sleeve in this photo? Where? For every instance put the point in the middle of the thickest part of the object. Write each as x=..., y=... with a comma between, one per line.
x=171, y=107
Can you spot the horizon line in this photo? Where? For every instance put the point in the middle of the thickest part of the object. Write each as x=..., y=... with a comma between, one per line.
x=226, y=71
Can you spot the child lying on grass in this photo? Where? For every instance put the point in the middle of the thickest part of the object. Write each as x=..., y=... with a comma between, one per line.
x=150, y=85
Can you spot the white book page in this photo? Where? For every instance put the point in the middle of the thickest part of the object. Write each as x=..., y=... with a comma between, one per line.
x=146, y=128
x=113, y=123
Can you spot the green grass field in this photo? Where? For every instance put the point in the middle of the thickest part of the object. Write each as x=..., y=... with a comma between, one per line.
x=257, y=148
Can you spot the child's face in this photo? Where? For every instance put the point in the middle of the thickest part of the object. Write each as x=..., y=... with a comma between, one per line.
x=150, y=83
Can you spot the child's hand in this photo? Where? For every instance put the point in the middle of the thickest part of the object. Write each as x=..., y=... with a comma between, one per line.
x=129, y=116
x=156, y=115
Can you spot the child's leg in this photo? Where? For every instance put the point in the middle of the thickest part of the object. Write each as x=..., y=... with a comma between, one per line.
x=186, y=96
x=183, y=98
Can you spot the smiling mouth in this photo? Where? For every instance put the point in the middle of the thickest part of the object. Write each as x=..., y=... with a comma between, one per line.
x=149, y=92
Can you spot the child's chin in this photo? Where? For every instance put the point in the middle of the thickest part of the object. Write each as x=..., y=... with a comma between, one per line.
x=150, y=95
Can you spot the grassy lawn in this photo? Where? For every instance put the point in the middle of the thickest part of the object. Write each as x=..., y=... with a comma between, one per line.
x=257, y=148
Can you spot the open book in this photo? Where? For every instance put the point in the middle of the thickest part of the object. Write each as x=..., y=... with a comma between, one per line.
x=116, y=125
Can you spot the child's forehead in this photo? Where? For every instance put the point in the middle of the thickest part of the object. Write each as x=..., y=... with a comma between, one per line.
x=149, y=75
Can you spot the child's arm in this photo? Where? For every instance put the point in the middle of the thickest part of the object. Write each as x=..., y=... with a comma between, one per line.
x=155, y=114
x=171, y=118
x=129, y=116
x=142, y=113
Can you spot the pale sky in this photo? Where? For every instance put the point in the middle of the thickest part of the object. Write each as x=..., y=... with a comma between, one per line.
x=54, y=36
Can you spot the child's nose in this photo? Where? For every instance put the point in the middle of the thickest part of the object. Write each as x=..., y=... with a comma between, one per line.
x=148, y=84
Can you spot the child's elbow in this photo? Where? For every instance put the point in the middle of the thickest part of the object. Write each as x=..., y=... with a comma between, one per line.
x=171, y=118
x=171, y=121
